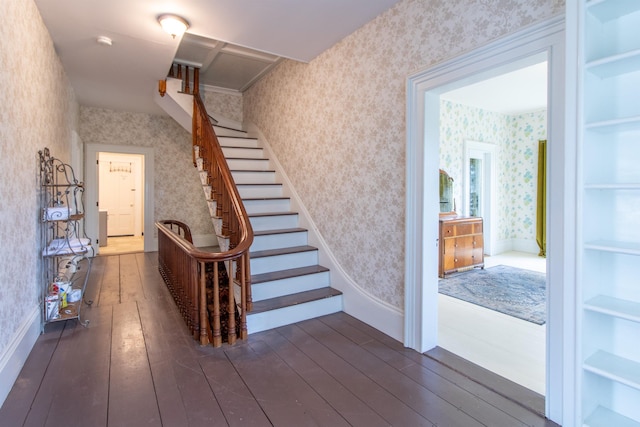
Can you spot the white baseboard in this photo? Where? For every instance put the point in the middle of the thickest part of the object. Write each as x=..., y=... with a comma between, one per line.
x=520, y=245
x=16, y=353
x=525, y=245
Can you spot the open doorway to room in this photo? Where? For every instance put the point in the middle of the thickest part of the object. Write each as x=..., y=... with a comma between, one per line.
x=121, y=202
x=133, y=222
x=489, y=133
x=544, y=41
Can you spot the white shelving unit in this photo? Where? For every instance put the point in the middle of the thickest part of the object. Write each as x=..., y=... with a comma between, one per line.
x=66, y=251
x=609, y=206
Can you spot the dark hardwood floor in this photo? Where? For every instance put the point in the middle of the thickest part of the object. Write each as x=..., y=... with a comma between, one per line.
x=136, y=365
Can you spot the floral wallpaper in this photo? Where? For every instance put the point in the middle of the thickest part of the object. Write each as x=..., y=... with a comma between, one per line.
x=34, y=113
x=227, y=105
x=516, y=138
x=337, y=124
x=520, y=167
x=178, y=192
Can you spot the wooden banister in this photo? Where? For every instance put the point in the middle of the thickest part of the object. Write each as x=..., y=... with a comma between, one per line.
x=191, y=274
x=189, y=270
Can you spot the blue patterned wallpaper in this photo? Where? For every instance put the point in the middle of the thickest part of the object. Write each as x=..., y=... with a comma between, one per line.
x=516, y=138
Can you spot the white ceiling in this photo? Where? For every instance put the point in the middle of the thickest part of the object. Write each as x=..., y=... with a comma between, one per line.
x=516, y=92
x=235, y=41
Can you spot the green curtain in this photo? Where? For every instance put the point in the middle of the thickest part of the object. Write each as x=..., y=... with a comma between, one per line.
x=541, y=210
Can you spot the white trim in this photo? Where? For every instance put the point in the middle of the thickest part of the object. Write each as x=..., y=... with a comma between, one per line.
x=357, y=301
x=16, y=353
x=218, y=89
x=489, y=211
x=91, y=193
x=423, y=89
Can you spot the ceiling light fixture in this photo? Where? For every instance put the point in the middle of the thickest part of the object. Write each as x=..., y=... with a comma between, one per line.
x=173, y=24
x=104, y=40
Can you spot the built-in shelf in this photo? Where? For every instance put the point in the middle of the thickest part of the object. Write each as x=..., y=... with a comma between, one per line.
x=606, y=10
x=603, y=417
x=615, y=368
x=608, y=125
x=616, y=307
x=615, y=125
x=615, y=65
x=610, y=186
x=628, y=248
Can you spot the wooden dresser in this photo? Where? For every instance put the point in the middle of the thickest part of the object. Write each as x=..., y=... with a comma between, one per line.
x=461, y=244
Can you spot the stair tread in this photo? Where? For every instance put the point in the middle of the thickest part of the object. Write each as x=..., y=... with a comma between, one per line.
x=252, y=170
x=293, y=299
x=242, y=148
x=229, y=128
x=236, y=136
x=261, y=183
x=261, y=214
x=282, y=251
x=265, y=198
x=286, y=274
x=279, y=231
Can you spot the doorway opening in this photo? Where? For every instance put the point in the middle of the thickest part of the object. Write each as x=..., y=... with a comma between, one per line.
x=489, y=133
x=121, y=202
x=123, y=169
x=544, y=41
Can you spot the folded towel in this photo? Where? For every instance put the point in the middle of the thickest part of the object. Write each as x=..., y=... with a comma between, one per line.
x=67, y=246
x=57, y=213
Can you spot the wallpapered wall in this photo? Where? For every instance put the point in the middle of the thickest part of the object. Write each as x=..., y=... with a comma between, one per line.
x=516, y=138
x=337, y=124
x=34, y=114
x=226, y=105
x=178, y=193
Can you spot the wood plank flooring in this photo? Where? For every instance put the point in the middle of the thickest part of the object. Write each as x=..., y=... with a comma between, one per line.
x=136, y=364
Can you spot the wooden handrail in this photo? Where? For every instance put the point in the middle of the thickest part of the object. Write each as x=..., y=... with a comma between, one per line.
x=176, y=250
x=187, y=270
x=229, y=206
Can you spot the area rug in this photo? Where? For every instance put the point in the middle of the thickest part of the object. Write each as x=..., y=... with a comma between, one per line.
x=509, y=290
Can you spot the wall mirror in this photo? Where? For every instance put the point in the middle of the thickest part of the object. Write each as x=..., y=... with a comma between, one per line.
x=447, y=202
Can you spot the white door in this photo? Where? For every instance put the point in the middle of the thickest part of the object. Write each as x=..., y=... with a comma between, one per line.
x=118, y=192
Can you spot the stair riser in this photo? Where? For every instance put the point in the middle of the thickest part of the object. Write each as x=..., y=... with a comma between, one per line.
x=238, y=142
x=258, y=191
x=203, y=177
x=268, y=205
x=275, y=222
x=212, y=207
x=292, y=285
x=245, y=153
x=283, y=262
x=277, y=241
x=249, y=164
x=252, y=177
x=258, y=322
x=206, y=189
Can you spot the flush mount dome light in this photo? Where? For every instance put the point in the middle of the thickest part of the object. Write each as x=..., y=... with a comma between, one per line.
x=173, y=24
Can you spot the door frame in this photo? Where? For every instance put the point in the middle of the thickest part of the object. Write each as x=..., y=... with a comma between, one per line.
x=91, y=177
x=488, y=188
x=423, y=135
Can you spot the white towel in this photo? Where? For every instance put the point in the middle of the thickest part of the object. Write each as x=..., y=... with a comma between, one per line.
x=67, y=246
x=57, y=213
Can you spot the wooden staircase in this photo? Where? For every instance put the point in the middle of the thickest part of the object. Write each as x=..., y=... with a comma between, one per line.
x=287, y=283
